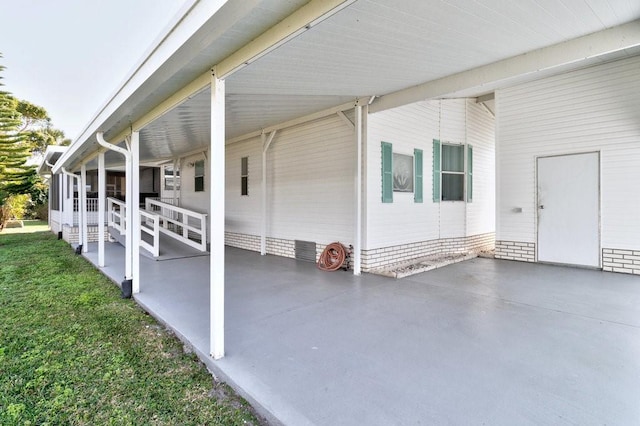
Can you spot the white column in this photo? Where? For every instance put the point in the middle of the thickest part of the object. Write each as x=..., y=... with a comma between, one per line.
x=216, y=212
x=266, y=143
x=357, y=238
x=82, y=200
x=128, y=244
x=135, y=211
x=263, y=233
x=62, y=183
x=102, y=194
x=175, y=182
x=53, y=177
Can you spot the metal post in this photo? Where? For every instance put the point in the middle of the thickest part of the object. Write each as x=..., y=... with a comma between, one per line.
x=134, y=196
x=357, y=243
x=82, y=211
x=102, y=194
x=216, y=212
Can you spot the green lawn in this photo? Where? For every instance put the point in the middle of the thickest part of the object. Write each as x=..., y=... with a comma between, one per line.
x=73, y=352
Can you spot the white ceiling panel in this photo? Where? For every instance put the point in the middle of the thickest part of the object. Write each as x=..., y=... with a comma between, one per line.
x=371, y=47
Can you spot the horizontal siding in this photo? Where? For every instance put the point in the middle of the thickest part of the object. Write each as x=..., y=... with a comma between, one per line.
x=594, y=109
x=415, y=126
x=189, y=199
x=481, y=217
x=243, y=213
x=310, y=177
x=403, y=221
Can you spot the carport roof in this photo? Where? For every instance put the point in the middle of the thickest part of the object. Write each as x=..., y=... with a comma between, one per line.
x=324, y=53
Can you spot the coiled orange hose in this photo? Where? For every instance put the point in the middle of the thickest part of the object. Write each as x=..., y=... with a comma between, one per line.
x=332, y=257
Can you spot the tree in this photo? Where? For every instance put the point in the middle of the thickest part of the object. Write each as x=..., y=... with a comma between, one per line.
x=15, y=176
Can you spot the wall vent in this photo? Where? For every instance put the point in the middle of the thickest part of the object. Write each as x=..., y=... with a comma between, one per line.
x=306, y=250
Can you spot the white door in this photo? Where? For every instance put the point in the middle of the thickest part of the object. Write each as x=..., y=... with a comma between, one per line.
x=569, y=209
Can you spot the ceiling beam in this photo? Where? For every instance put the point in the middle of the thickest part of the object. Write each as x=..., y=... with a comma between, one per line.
x=572, y=51
x=292, y=26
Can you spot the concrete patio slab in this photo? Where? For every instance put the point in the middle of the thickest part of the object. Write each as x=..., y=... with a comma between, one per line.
x=478, y=342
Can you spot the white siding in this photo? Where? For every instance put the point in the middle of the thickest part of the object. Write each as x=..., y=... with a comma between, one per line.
x=310, y=180
x=595, y=109
x=189, y=199
x=244, y=212
x=403, y=221
x=415, y=126
x=481, y=213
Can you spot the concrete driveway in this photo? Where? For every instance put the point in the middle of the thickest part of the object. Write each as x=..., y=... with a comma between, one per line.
x=482, y=342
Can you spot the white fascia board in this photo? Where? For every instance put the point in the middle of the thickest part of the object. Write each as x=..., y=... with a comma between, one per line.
x=186, y=22
x=569, y=52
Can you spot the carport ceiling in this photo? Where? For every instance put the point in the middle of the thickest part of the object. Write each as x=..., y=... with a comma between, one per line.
x=371, y=47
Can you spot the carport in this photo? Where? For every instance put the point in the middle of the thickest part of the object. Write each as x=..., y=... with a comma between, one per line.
x=479, y=342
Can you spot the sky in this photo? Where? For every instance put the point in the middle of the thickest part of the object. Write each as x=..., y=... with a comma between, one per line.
x=69, y=56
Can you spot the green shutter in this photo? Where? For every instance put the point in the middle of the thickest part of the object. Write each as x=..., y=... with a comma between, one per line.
x=436, y=171
x=417, y=195
x=387, y=173
x=469, y=174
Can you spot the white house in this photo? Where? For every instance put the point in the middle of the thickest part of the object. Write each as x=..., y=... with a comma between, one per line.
x=402, y=129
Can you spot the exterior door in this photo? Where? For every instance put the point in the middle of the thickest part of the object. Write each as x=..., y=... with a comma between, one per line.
x=569, y=209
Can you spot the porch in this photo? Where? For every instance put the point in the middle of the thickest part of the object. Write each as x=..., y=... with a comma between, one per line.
x=479, y=342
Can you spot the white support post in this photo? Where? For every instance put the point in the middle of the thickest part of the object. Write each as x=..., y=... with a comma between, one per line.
x=134, y=207
x=62, y=180
x=217, y=211
x=263, y=232
x=102, y=194
x=266, y=143
x=357, y=238
x=82, y=211
x=128, y=219
x=175, y=182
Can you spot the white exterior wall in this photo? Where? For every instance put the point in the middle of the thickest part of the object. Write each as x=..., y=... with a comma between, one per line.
x=244, y=212
x=595, y=109
x=310, y=182
x=481, y=213
x=403, y=221
x=415, y=126
x=189, y=198
x=310, y=187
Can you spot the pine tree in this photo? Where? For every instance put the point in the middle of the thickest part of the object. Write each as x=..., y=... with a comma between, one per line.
x=15, y=176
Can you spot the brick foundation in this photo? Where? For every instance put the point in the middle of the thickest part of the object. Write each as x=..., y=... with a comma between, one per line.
x=376, y=258
x=516, y=250
x=381, y=257
x=70, y=233
x=623, y=261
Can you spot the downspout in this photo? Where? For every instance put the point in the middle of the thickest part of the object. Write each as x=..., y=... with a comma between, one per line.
x=127, y=284
x=80, y=242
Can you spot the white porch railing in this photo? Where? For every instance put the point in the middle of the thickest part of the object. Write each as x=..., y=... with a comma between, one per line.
x=117, y=214
x=184, y=225
x=150, y=225
x=92, y=211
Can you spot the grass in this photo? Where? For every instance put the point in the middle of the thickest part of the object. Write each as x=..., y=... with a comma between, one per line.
x=73, y=352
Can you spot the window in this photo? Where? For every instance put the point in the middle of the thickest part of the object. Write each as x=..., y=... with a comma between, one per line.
x=171, y=178
x=199, y=176
x=449, y=172
x=400, y=173
x=452, y=172
x=244, y=176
